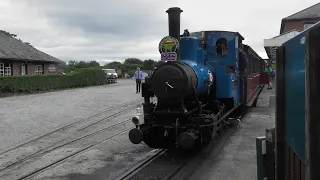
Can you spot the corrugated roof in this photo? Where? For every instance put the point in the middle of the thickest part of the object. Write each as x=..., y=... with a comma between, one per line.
x=11, y=48
x=310, y=12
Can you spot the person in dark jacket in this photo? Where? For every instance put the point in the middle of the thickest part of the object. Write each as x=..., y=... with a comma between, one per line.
x=243, y=61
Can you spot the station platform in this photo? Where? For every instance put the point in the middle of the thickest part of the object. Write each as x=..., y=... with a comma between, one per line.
x=237, y=158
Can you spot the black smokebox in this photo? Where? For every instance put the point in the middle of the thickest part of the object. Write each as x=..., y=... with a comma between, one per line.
x=174, y=22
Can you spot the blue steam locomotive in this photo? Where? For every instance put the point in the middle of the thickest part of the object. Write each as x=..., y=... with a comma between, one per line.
x=197, y=86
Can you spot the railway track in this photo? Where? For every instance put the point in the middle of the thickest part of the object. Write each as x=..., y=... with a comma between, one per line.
x=182, y=168
x=175, y=165
x=21, y=176
x=167, y=165
x=72, y=125
x=20, y=163
x=138, y=167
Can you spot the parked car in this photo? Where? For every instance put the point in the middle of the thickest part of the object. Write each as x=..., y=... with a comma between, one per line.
x=111, y=75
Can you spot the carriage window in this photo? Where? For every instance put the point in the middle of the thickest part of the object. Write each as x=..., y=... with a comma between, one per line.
x=222, y=47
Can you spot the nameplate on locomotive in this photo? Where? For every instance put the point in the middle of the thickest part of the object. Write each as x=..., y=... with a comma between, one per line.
x=168, y=48
x=169, y=56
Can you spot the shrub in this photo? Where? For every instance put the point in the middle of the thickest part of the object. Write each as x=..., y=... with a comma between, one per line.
x=38, y=83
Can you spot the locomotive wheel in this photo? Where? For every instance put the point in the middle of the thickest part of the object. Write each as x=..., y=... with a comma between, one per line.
x=209, y=133
x=207, y=136
x=154, y=138
x=229, y=103
x=219, y=128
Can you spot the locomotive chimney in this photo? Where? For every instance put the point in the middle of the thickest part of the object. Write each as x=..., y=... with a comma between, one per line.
x=174, y=22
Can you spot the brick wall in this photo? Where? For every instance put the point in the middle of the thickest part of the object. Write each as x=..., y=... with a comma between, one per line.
x=16, y=68
x=52, y=67
x=298, y=25
x=30, y=67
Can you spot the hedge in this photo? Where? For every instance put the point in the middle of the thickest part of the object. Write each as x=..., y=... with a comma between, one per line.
x=39, y=83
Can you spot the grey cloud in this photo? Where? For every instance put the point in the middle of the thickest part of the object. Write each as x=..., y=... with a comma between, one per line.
x=102, y=18
x=104, y=52
x=108, y=30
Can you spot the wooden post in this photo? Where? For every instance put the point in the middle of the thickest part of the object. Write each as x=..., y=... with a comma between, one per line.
x=270, y=154
x=261, y=154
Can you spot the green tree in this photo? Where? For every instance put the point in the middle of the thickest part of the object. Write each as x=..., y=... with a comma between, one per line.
x=129, y=68
x=159, y=63
x=82, y=64
x=93, y=64
x=133, y=61
x=72, y=63
x=65, y=67
x=113, y=65
x=149, y=64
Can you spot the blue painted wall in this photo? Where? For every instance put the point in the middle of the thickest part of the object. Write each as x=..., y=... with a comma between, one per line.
x=294, y=90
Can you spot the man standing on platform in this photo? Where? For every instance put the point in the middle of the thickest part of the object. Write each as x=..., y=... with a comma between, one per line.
x=243, y=61
x=138, y=76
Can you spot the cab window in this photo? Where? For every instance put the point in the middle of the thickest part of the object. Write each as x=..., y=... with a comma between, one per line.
x=222, y=47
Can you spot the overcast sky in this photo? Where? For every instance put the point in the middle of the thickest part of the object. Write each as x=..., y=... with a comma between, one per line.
x=108, y=30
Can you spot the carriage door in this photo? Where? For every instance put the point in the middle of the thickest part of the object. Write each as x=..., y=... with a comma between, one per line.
x=1, y=69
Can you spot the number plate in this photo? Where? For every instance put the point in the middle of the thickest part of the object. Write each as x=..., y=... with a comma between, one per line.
x=172, y=56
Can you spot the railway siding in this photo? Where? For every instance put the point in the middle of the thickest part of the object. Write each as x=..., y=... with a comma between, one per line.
x=87, y=126
x=80, y=148
x=65, y=134
x=107, y=160
x=24, y=118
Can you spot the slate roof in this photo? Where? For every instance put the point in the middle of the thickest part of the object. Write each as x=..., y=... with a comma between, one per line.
x=14, y=49
x=310, y=12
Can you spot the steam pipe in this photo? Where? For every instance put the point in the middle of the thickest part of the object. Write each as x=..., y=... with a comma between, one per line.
x=174, y=21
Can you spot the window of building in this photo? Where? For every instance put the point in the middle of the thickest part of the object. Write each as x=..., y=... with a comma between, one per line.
x=23, y=69
x=38, y=69
x=307, y=25
x=1, y=69
x=222, y=47
x=7, y=71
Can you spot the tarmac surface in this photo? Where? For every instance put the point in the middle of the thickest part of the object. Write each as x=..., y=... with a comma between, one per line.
x=237, y=159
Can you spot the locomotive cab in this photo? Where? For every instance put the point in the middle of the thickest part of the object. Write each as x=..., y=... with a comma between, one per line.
x=222, y=49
